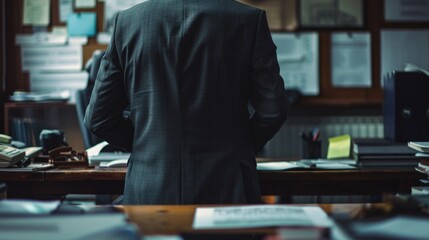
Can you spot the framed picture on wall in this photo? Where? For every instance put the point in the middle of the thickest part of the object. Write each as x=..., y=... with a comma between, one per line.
x=331, y=13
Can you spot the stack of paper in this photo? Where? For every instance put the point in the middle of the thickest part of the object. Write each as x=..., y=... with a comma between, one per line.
x=383, y=153
x=422, y=157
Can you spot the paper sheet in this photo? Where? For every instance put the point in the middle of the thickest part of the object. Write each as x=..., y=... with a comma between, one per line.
x=40, y=39
x=28, y=206
x=259, y=216
x=65, y=8
x=406, y=10
x=57, y=82
x=351, y=59
x=82, y=226
x=82, y=24
x=279, y=166
x=400, y=227
x=298, y=57
x=60, y=58
x=36, y=12
x=84, y=3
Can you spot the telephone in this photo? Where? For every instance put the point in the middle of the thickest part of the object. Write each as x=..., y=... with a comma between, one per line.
x=10, y=155
x=5, y=139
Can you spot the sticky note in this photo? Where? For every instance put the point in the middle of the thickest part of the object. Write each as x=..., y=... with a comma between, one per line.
x=339, y=147
x=82, y=24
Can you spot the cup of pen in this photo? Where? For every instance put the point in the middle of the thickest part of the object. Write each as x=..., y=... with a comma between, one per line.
x=311, y=145
x=311, y=149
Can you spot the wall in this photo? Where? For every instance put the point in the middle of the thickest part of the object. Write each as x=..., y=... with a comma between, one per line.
x=280, y=15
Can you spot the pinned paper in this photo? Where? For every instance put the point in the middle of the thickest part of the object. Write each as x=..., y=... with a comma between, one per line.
x=36, y=12
x=85, y=3
x=339, y=147
x=82, y=24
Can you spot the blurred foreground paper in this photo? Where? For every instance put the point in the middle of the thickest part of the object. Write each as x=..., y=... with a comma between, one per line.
x=259, y=216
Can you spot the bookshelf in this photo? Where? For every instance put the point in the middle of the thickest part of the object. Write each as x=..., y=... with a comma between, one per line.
x=26, y=120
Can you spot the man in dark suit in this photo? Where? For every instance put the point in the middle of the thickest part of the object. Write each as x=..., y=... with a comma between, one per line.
x=187, y=69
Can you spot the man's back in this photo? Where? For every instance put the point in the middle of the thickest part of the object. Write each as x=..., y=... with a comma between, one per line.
x=187, y=69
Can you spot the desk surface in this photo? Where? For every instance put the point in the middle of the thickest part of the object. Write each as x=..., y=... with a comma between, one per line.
x=175, y=219
x=57, y=182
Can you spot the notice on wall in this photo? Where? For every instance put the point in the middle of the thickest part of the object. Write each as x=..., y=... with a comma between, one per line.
x=36, y=12
x=406, y=10
x=298, y=56
x=84, y=3
x=65, y=8
x=351, y=59
x=57, y=58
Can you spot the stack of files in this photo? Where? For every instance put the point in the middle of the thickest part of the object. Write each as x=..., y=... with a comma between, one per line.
x=309, y=164
x=422, y=157
x=383, y=153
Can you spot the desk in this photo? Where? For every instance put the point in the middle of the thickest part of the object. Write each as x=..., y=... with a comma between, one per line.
x=175, y=219
x=56, y=182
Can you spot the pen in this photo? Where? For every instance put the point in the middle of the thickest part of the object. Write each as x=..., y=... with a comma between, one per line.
x=316, y=132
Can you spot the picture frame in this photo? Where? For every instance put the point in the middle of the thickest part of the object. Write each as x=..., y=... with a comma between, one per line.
x=331, y=13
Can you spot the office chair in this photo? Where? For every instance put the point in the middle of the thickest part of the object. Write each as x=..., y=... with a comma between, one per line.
x=83, y=96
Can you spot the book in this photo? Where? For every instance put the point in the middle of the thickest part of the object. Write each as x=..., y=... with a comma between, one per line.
x=383, y=153
x=387, y=163
x=422, y=168
x=419, y=146
x=380, y=147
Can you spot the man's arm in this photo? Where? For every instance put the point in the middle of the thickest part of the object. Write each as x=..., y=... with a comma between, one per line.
x=104, y=115
x=267, y=94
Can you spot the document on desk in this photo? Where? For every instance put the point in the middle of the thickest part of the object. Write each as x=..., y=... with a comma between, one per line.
x=28, y=206
x=400, y=227
x=82, y=226
x=260, y=216
x=310, y=164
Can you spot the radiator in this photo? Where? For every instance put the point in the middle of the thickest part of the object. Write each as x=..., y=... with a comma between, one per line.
x=287, y=142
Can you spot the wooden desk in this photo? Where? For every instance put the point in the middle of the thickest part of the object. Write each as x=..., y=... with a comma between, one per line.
x=56, y=182
x=22, y=184
x=176, y=219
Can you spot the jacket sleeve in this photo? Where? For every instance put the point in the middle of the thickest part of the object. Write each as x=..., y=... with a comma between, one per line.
x=104, y=114
x=267, y=91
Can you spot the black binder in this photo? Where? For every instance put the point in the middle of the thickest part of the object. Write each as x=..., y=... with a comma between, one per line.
x=406, y=106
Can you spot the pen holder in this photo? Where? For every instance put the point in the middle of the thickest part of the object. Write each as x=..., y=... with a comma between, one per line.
x=311, y=149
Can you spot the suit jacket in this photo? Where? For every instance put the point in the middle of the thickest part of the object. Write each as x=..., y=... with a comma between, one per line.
x=188, y=69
